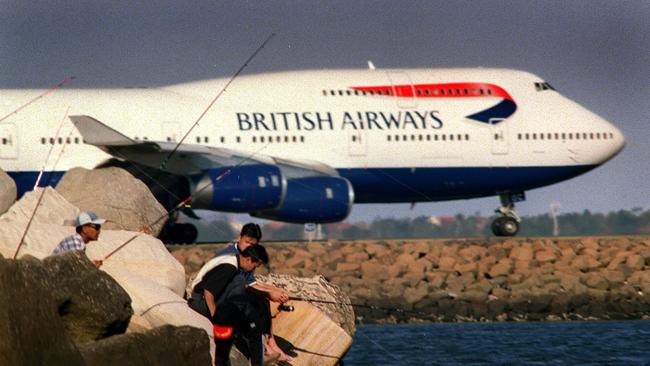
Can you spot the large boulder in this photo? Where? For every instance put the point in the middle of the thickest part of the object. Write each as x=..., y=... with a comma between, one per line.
x=320, y=293
x=31, y=332
x=167, y=345
x=90, y=302
x=126, y=202
x=155, y=305
x=7, y=192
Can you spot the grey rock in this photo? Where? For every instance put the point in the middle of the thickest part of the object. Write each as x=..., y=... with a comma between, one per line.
x=332, y=299
x=114, y=194
x=7, y=192
x=166, y=345
x=91, y=303
x=31, y=332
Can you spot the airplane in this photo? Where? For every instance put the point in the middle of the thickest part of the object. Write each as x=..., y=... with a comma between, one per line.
x=305, y=146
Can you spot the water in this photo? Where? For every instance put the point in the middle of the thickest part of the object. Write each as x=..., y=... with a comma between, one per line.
x=534, y=343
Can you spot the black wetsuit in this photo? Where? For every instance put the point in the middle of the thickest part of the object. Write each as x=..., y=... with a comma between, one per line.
x=241, y=316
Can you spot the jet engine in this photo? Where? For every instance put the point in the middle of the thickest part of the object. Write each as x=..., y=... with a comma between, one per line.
x=313, y=199
x=242, y=188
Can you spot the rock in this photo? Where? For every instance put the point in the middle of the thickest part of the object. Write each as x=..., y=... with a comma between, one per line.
x=317, y=288
x=7, y=192
x=635, y=262
x=373, y=271
x=544, y=256
x=155, y=305
x=585, y=263
x=31, y=332
x=144, y=255
x=91, y=304
x=127, y=203
x=167, y=345
x=595, y=281
x=347, y=267
x=415, y=294
x=522, y=253
x=472, y=253
x=376, y=250
x=501, y=268
x=310, y=336
x=447, y=264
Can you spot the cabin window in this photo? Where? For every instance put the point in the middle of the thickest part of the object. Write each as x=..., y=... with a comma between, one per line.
x=43, y=140
x=302, y=138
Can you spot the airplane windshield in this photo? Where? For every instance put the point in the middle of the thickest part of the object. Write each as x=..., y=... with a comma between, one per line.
x=543, y=86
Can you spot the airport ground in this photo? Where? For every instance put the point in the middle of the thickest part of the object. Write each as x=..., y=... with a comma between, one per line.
x=471, y=279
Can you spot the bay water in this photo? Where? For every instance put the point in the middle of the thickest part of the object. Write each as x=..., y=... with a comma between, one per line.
x=526, y=343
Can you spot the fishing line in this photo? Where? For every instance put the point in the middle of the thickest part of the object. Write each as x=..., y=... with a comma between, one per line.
x=366, y=306
x=47, y=158
x=50, y=90
x=40, y=197
x=223, y=90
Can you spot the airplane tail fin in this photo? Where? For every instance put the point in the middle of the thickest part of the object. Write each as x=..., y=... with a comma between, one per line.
x=99, y=134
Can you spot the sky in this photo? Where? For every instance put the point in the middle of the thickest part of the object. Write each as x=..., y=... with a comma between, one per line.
x=594, y=52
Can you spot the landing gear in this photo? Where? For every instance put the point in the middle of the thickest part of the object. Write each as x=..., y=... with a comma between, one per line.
x=508, y=223
x=179, y=234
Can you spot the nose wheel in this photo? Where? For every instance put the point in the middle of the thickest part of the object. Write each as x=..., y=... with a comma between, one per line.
x=505, y=226
x=508, y=222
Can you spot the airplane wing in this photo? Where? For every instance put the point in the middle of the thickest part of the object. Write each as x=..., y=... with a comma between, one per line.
x=189, y=159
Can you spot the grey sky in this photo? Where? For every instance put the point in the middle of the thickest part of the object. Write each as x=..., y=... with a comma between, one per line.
x=594, y=52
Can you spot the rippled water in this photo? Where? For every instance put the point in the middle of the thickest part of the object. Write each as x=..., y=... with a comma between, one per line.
x=534, y=343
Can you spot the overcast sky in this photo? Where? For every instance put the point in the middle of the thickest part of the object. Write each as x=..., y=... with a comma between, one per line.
x=594, y=52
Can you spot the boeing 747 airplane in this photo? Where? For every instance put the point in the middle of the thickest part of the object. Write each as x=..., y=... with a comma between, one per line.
x=304, y=146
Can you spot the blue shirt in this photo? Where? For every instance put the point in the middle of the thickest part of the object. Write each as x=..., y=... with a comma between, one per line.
x=231, y=249
x=72, y=242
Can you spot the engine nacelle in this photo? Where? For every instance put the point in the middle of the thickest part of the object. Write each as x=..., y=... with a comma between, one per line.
x=242, y=188
x=313, y=199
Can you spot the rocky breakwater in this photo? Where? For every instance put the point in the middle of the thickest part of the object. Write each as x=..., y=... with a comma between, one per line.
x=477, y=280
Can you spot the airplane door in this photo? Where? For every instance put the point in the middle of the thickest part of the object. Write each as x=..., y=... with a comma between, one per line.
x=403, y=89
x=357, y=142
x=8, y=141
x=171, y=132
x=499, y=136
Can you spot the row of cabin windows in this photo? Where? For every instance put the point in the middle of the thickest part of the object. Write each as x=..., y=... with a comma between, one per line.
x=565, y=136
x=435, y=137
x=278, y=139
x=59, y=140
x=419, y=91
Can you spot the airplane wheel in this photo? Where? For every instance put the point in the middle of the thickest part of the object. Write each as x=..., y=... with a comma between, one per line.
x=505, y=226
x=186, y=234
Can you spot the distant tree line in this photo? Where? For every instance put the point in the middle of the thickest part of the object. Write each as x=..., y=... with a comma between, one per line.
x=635, y=221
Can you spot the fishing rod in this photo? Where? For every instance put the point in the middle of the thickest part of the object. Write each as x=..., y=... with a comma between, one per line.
x=47, y=158
x=40, y=174
x=214, y=100
x=187, y=200
x=48, y=91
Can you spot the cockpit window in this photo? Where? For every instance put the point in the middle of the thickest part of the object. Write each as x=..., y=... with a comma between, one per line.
x=543, y=86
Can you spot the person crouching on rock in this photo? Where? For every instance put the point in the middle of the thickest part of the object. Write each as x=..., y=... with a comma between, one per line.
x=238, y=315
x=250, y=235
x=87, y=225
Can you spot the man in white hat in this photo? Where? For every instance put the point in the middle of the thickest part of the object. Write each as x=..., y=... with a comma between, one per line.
x=88, y=226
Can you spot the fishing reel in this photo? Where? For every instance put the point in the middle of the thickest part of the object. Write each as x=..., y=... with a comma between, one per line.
x=287, y=308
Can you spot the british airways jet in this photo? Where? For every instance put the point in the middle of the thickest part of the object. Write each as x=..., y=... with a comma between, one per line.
x=304, y=146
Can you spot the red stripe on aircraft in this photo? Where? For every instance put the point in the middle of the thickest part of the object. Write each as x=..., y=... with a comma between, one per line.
x=446, y=90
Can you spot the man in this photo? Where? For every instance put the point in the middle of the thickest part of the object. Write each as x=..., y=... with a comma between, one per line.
x=250, y=235
x=219, y=292
x=87, y=227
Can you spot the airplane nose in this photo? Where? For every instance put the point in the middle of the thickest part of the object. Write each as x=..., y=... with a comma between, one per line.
x=618, y=142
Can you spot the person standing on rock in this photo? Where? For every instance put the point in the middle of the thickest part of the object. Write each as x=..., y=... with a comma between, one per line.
x=87, y=226
x=250, y=235
x=219, y=293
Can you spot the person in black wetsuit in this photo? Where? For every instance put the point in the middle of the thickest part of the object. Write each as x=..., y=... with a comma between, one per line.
x=238, y=313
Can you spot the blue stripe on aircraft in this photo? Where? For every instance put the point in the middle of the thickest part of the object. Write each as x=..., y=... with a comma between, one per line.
x=410, y=185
